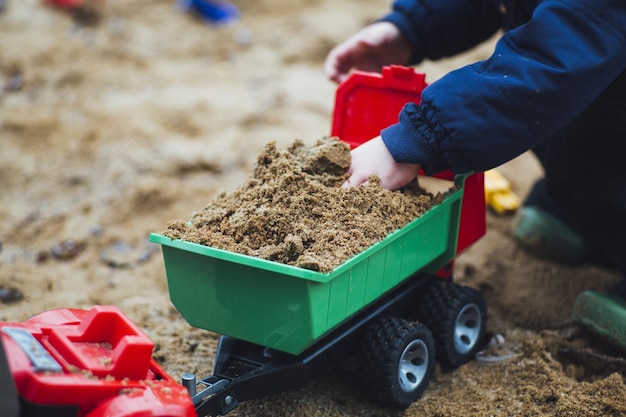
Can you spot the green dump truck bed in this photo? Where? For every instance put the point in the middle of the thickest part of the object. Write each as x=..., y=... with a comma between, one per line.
x=288, y=308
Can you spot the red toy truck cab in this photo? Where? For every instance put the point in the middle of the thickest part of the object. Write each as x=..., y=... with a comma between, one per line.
x=95, y=363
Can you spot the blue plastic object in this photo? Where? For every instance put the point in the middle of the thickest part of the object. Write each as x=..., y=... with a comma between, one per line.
x=212, y=12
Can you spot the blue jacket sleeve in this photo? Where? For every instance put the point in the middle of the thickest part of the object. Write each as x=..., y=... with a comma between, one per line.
x=540, y=76
x=440, y=28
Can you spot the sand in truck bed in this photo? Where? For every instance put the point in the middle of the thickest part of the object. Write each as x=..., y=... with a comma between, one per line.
x=293, y=209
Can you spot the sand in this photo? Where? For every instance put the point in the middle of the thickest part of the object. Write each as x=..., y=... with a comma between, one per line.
x=114, y=126
x=293, y=209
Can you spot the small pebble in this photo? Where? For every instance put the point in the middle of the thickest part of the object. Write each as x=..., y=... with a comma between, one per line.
x=14, y=83
x=10, y=295
x=123, y=255
x=67, y=250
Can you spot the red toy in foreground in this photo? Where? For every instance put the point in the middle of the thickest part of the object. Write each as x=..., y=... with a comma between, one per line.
x=95, y=363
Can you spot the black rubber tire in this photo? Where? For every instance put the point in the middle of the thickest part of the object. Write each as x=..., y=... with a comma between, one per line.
x=457, y=317
x=397, y=358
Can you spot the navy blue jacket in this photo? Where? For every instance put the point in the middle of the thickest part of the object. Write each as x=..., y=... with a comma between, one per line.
x=553, y=59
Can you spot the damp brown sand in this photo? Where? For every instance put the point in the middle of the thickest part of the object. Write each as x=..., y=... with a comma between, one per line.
x=293, y=209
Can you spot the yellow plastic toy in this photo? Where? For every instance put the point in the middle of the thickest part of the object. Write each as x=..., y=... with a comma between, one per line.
x=498, y=193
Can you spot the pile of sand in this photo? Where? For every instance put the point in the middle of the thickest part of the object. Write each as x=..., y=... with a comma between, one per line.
x=293, y=209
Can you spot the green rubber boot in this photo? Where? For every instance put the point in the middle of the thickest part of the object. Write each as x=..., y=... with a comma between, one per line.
x=604, y=315
x=547, y=237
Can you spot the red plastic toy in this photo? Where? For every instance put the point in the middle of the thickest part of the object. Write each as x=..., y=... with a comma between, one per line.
x=95, y=363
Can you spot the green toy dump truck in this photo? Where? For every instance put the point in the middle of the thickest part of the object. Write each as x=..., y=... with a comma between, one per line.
x=393, y=308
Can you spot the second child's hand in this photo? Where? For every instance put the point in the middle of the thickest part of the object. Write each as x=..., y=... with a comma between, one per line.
x=370, y=49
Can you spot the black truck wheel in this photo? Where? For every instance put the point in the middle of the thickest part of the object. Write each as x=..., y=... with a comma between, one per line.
x=457, y=317
x=397, y=358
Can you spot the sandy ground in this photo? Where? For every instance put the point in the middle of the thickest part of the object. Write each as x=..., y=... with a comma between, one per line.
x=109, y=130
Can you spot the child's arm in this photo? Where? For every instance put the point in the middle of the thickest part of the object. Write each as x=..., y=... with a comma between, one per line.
x=540, y=76
x=442, y=28
x=412, y=31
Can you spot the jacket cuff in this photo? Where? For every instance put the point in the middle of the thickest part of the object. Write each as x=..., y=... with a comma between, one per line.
x=406, y=144
x=403, y=23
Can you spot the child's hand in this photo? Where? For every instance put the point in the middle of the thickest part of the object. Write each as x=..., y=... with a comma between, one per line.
x=369, y=50
x=372, y=157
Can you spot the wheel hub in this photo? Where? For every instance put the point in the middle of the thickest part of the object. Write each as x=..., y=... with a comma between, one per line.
x=467, y=328
x=413, y=365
